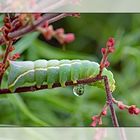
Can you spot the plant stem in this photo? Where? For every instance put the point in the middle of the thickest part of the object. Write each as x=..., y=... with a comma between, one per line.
x=110, y=102
x=34, y=88
x=5, y=60
x=46, y=17
x=7, y=51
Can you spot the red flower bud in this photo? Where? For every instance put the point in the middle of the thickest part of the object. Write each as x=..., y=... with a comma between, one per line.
x=60, y=31
x=136, y=111
x=104, y=112
x=11, y=48
x=110, y=42
x=103, y=50
x=121, y=105
x=107, y=64
x=45, y=25
x=69, y=38
x=94, y=118
x=16, y=56
x=131, y=109
x=93, y=124
x=111, y=49
x=8, y=25
x=48, y=33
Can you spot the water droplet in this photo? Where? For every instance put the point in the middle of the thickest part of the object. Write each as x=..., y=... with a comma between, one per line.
x=78, y=90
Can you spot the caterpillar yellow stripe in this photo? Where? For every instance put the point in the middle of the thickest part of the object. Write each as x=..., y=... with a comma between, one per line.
x=40, y=72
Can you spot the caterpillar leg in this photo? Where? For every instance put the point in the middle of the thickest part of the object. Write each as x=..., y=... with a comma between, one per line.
x=52, y=76
x=64, y=74
x=40, y=67
x=75, y=71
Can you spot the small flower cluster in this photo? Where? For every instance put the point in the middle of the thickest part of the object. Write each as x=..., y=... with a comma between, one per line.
x=62, y=38
x=97, y=119
x=133, y=110
x=105, y=52
x=12, y=23
x=48, y=31
x=15, y=56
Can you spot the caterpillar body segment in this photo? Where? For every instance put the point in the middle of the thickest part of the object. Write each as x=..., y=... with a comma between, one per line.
x=28, y=73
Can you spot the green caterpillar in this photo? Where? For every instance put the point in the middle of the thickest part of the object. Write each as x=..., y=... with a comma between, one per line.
x=41, y=72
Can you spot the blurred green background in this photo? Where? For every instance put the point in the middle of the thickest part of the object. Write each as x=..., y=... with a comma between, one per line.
x=60, y=107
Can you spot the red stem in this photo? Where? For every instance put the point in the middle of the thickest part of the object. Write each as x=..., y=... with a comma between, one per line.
x=46, y=17
x=7, y=51
x=34, y=88
x=110, y=102
x=5, y=60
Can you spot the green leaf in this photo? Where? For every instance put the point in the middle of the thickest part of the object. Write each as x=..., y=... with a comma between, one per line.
x=25, y=42
x=17, y=100
x=47, y=51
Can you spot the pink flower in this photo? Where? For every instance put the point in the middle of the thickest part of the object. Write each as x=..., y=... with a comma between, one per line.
x=136, y=111
x=121, y=105
x=104, y=112
x=131, y=109
x=110, y=45
x=110, y=42
x=103, y=50
x=107, y=63
x=96, y=120
x=16, y=56
x=60, y=31
x=70, y=37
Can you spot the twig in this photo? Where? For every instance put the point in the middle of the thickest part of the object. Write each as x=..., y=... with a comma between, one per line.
x=110, y=102
x=47, y=17
x=34, y=88
x=7, y=51
x=5, y=60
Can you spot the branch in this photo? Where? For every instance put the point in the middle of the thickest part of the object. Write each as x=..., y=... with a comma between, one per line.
x=46, y=17
x=7, y=51
x=110, y=102
x=34, y=88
